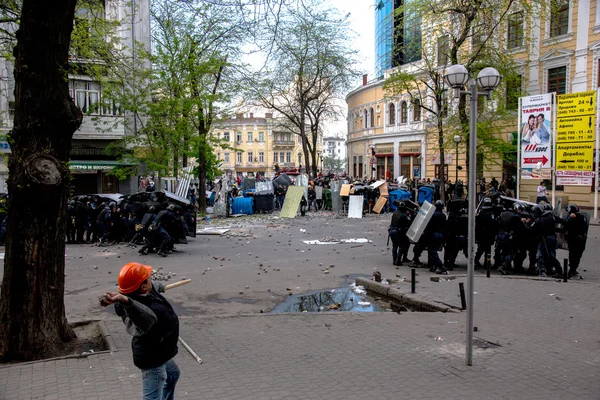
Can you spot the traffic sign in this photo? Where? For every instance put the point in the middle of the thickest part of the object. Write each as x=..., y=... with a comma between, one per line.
x=575, y=131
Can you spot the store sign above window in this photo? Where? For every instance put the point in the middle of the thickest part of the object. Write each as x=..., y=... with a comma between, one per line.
x=92, y=165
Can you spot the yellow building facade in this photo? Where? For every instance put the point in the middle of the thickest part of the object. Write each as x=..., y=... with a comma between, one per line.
x=255, y=144
x=555, y=52
x=397, y=132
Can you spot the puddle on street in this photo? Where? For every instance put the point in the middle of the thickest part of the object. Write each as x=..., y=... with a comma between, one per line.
x=343, y=299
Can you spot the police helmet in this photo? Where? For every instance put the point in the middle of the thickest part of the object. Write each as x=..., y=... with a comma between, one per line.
x=536, y=211
x=572, y=209
x=486, y=202
x=439, y=205
x=112, y=204
x=152, y=209
x=400, y=204
x=171, y=207
x=519, y=207
x=547, y=207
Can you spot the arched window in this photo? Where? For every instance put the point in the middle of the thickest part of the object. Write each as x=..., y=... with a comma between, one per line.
x=372, y=121
x=417, y=110
x=403, y=113
x=365, y=119
x=392, y=112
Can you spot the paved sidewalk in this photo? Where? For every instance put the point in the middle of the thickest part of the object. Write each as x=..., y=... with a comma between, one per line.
x=548, y=333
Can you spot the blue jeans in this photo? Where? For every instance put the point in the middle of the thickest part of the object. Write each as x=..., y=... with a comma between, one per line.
x=159, y=383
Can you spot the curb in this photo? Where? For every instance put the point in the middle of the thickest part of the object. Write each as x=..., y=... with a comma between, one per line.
x=110, y=342
x=410, y=299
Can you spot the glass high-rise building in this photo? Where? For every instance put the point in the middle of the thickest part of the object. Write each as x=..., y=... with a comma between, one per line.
x=397, y=35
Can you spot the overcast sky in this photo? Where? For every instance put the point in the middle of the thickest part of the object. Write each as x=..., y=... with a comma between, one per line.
x=362, y=18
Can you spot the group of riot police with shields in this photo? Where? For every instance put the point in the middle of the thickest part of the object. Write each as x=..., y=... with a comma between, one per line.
x=155, y=220
x=510, y=230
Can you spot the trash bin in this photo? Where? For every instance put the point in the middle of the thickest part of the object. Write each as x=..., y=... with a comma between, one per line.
x=398, y=195
x=263, y=202
x=243, y=205
x=425, y=194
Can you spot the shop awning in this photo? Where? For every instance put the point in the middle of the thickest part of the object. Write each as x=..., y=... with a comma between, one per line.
x=94, y=165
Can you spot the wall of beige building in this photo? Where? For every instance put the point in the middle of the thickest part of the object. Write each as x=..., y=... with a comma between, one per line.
x=257, y=145
x=578, y=51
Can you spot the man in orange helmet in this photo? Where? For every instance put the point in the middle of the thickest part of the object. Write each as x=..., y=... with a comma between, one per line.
x=149, y=317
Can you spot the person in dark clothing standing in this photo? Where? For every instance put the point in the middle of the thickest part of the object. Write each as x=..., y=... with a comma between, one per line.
x=576, y=231
x=400, y=224
x=152, y=322
x=435, y=238
x=485, y=230
x=511, y=231
x=543, y=228
x=312, y=198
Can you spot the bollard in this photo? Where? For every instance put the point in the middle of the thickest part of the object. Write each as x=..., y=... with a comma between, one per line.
x=413, y=279
x=565, y=270
x=463, y=300
x=488, y=262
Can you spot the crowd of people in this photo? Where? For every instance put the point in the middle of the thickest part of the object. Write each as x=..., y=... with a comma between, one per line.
x=156, y=225
x=516, y=231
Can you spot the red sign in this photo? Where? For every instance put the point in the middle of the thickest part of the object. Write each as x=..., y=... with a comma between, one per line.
x=535, y=160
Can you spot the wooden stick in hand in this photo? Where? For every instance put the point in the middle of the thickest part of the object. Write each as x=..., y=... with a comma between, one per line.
x=174, y=285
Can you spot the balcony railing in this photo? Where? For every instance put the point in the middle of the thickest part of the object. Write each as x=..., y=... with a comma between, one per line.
x=284, y=143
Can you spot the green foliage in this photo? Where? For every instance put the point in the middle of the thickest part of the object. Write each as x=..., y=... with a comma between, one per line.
x=332, y=163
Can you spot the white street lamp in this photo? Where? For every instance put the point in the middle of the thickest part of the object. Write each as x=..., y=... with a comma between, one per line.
x=457, y=77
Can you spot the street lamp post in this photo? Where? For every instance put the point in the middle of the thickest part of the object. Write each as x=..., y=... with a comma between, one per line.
x=457, y=139
x=488, y=79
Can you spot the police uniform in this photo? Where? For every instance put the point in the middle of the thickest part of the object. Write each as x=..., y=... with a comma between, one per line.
x=399, y=226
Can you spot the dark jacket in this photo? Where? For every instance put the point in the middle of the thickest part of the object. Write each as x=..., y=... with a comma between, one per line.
x=154, y=326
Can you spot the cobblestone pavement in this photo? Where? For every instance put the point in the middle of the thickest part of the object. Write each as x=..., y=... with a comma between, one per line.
x=547, y=334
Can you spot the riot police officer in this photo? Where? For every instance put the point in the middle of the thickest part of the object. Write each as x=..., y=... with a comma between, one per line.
x=103, y=223
x=399, y=226
x=71, y=232
x=543, y=228
x=435, y=238
x=528, y=243
x=576, y=226
x=510, y=232
x=486, y=229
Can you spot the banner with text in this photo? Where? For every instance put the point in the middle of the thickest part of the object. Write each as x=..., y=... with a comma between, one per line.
x=536, y=136
x=575, y=138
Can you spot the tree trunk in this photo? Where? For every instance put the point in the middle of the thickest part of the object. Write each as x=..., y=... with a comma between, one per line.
x=33, y=323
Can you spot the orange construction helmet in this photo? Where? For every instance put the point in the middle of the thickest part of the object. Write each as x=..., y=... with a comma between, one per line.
x=132, y=275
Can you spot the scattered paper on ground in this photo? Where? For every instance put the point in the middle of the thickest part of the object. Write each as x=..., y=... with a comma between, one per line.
x=211, y=231
x=360, y=240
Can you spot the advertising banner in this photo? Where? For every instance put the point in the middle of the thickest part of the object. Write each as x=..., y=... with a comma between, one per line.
x=536, y=136
x=575, y=137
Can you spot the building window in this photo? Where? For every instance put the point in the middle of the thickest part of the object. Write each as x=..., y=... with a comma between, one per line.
x=557, y=80
x=239, y=158
x=226, y=136
x=281, y=157
x=226, y=160
x=275, y=158
x=372, y=117
x=249, y=137
x=392, y=112
x=443, y=50
x=365, y=119
x=86, y=95
x=299, y=158
x=513, y=92
x=218, y=155
x=249, y=157
x=515, y=30
x=405, y=166
x=261, y=137
x=417, y=110
x=443, y=111
x=403, y=113
x=238, y=137
x=559, y=17
x=288, y=157
x=261, y=157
